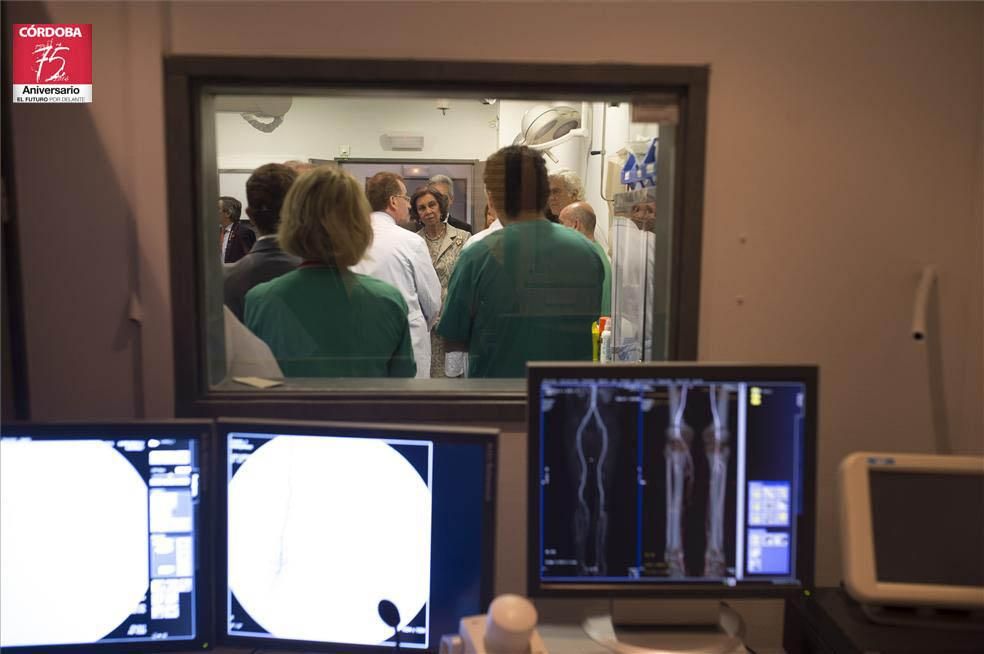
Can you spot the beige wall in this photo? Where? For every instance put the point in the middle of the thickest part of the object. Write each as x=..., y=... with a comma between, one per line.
x=844, y=146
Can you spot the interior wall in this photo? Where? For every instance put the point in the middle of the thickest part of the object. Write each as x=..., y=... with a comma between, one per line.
x=843, y=154
x=317, y=127
x=91, y=207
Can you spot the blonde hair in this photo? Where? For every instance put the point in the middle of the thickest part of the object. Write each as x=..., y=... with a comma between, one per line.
x=325, y=218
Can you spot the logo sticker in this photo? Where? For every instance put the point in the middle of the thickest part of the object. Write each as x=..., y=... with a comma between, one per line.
x=52, y=63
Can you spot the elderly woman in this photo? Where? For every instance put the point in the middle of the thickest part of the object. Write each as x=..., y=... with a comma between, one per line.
x=444, y=242
x=321, y=320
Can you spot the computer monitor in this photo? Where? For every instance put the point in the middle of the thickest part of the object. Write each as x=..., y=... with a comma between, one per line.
x=323, y=522
x=684, y=479
x=102, y=546
x=912, y=532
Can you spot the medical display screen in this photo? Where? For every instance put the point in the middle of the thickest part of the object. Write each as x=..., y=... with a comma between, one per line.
x=99, y=539
x=323, y=527
x=927, y=527
x=663, y=481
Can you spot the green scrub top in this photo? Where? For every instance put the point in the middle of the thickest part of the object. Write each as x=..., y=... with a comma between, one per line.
x=527, y=292
x=320, y=323
x=606, y=289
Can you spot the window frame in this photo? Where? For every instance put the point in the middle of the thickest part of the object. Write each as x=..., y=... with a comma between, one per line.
x=188, y=78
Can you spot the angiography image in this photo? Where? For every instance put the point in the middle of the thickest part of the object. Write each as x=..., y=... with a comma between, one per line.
x=589, y=480
x=638, y=480
x=53, y=489
x=98, y=539
x=690, y=479
x=321, y=529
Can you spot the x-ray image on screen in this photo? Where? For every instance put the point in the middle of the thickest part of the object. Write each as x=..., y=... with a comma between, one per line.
x=689, y=432
x=97, y=539
x=589, y=479
x=320, y=530
x=667, y=480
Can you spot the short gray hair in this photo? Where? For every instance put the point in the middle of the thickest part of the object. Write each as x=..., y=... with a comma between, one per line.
x=572, y=181
x=447, y=181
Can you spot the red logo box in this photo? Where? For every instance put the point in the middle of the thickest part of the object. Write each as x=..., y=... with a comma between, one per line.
x=52, y=63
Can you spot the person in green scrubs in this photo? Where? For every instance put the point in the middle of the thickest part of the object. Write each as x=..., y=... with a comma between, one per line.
x=580, y=217
x=529, y=291
x=321, y=320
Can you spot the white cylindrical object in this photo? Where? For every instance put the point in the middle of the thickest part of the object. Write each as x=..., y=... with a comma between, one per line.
x=922, y=302
x=605, y=348
x=452, y=644
x=511, y=621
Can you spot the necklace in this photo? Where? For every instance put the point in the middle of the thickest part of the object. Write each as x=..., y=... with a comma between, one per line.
x=438, y=237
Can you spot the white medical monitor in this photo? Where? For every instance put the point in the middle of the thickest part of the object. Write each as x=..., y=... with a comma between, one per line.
x=323, y=522
x=912, y=529
x=101, y=542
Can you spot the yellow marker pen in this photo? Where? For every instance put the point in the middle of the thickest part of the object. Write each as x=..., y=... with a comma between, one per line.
x=595, y=335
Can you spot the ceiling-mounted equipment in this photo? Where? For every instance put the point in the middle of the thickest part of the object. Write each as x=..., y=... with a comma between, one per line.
x=542, y=124
x=545, y=126
x=256, y=109
x=443, y=104
x=401, y=141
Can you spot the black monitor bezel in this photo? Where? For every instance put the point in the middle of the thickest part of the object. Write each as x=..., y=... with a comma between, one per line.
x=137, y=429
x=806, y=525
x=488, y=437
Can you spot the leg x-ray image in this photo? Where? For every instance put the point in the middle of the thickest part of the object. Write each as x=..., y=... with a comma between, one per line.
x=690, y=481
x=717, y=437
x=628, y=490
x=590, y=476
x=321, y=529
x=593, y=464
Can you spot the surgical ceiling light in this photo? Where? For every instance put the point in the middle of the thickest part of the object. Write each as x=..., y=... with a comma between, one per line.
x=256, y=109
x=545, y=127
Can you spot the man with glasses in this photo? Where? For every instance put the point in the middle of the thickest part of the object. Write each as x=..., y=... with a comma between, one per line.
x=400, y=257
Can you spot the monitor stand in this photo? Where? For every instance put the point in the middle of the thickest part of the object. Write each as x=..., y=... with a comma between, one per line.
x=706, y=628
x=924, y=617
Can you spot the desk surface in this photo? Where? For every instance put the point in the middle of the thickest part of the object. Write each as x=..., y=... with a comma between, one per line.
x=570, y=639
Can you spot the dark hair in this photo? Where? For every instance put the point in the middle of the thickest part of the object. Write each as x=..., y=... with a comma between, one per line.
x=265, y=192
x=442, y=201
x=516, y=179
x=231, y=207
x=380, y=188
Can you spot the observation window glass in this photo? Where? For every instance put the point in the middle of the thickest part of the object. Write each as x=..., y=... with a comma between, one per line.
x=617, y=156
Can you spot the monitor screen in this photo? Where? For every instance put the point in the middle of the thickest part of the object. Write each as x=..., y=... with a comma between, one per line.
x=942, y=546
x=100, y=540
x=326, y=522
x=671, y=478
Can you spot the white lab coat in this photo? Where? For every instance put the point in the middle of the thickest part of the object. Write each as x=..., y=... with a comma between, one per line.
x=246, y=354
x=475, y=238
x=633, y=300
x=400, y=257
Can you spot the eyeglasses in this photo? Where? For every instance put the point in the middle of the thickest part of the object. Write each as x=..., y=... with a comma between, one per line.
x=405, y=197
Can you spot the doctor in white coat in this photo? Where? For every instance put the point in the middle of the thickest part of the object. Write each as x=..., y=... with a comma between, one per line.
x=400, y=257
